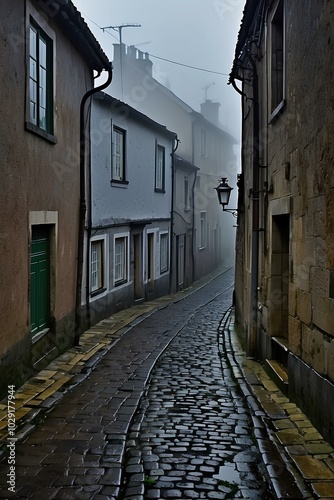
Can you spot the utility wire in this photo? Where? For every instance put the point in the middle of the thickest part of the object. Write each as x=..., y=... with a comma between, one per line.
x=162, y=58
x=188, y=66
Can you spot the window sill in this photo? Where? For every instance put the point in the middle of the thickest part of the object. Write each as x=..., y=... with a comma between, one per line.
x=159, y=190
x=120, y=283
x=120, y=184
x=277, y=111
x=201, y=248
x=40, y=132
x=97, y=292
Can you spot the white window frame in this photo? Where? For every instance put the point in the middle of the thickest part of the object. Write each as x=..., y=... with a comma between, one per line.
x=99, y=288
x=203, y=230
x=118, y=154
x=164, y=252
x=121, y=262
x=186, y=193
x=203, y=142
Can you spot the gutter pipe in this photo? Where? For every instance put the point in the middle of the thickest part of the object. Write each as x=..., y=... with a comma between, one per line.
x=252, y=327
x=172, y=214
x=82, y=209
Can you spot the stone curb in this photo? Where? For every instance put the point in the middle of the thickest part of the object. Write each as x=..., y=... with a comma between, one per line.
x=299, y=462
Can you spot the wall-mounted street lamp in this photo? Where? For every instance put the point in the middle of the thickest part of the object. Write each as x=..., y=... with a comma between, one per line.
x=224, y=193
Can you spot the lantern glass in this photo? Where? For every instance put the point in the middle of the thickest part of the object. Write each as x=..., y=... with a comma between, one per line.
x=224, y=192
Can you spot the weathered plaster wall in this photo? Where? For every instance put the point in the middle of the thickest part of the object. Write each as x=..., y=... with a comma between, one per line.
x=36, y=175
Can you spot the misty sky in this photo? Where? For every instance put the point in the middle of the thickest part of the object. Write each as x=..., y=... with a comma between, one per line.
x=200, y=33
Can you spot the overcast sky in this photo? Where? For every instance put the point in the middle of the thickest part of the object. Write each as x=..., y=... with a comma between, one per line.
x=199, y=33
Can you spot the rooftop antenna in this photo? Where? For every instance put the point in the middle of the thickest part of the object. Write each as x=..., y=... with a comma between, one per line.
x=119, y=29
x=206, y=89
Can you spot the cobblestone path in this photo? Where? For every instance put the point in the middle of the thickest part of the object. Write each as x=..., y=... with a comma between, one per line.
x=192, y=437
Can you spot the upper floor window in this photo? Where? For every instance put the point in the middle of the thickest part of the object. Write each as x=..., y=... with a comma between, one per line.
x=40, y=88
x=277, y=59
x=203, y=142
x=202, y=228
x=186, y=193
x=160, y=169
x=118, y=154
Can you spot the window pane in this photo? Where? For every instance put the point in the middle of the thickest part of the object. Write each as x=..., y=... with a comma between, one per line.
x=33, y=42
x=33, y=69
x=42, y=52
x=33, y=112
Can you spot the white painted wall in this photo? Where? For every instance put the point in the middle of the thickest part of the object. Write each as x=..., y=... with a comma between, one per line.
x=136, y=200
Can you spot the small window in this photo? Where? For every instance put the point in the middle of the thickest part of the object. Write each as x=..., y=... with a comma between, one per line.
x=121, y=260
x=202, y=243
x=96, y=265
x=203, y=142
x=186, y=194
x=164, y=253
x=277, y=59
x=118, y=155
x=40, y=90
x=160, y=169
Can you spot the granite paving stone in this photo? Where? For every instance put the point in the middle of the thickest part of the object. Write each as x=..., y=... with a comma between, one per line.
x=160, y=401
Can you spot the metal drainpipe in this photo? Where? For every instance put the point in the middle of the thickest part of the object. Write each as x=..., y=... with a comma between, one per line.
x=172, y=215
x=252, y=329
x=82, y=212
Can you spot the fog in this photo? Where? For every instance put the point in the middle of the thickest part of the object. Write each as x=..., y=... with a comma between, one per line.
x=191, y=45
x=198, y=33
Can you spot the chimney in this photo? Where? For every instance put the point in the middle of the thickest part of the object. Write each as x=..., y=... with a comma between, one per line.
x=210, y=111
x=131, y=56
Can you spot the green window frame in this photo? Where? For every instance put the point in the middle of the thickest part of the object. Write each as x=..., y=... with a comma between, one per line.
x=40, y=90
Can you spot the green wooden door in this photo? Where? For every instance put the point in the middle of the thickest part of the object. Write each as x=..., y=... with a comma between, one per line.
x=40, y=279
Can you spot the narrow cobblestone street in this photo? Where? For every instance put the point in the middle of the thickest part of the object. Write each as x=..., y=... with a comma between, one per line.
x=192, y=437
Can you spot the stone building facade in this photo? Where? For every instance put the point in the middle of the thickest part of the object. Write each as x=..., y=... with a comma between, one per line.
x=284, y=295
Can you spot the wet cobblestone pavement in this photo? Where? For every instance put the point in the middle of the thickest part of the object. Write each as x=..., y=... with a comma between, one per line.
x=160, y=401
x=192, y=437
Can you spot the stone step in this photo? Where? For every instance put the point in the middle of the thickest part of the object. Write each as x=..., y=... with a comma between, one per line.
x=278, y=372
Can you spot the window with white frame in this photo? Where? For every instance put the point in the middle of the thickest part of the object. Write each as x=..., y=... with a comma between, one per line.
x=120, y=260
x=118, y=154
x=40, y=81
x=203, y=142
x=164, y=253
x=97, y=253
x=203, y=236
x=277, y=58
x=160, y=169
x=186, y=193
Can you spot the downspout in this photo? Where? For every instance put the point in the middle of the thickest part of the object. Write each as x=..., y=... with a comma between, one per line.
x=193, y=229
x=172, y=215
x=82, y=209
x=252, y=328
